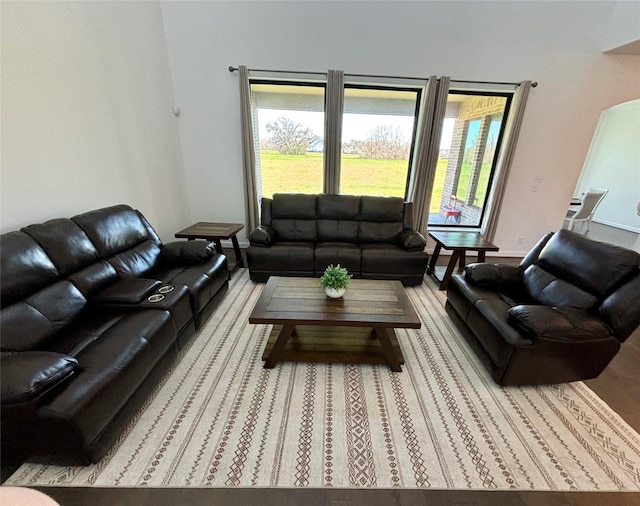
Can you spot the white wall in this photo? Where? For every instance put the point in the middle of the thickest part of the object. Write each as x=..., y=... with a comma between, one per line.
x=557, y=44
x=86, y=113
x=613, y=163
x=86, y=94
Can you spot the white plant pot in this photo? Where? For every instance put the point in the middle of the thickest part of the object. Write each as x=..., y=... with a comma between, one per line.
x=333, y=293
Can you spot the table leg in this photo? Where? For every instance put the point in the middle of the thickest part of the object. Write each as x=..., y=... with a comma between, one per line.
x=434, y=258
x=218, y=246
x=278, y=346
x=455, y=255
x=236, y=250
x=463, y=260
x=392, y=360
x=481, y=256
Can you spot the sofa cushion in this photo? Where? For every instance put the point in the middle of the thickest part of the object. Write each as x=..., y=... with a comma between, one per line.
x=30, y=374
x=338, y=207
x=137, y=261
x=345, y=254
x=65, y=243
x=298, y=206
x=289, y=229
x=545, y=288
x=24, y=267
x=112, y=229
x=567, y=323
x=571, y=256
x=337, y=230
x=381, y=209
x=34, y=322
x=391, y=259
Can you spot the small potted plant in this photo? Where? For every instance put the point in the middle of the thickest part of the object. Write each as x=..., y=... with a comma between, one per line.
x=335, y=281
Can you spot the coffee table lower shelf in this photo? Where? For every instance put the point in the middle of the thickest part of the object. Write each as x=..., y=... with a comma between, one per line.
x=343, y=345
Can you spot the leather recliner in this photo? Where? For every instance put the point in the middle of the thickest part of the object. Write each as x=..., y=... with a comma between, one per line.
x=559, y=316
x=302, y=234
x=94, y=310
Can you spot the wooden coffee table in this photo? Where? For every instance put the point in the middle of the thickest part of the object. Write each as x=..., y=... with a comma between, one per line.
x=311, y=327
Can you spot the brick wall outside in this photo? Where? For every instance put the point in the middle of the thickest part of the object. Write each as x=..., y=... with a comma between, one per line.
x=482, y=108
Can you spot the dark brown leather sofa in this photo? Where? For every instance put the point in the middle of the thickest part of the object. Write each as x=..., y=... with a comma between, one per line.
x=94, y=310
x=302, y=234
x=559, y=316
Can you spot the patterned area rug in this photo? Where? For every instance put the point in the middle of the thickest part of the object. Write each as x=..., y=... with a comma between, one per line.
x=220, y=420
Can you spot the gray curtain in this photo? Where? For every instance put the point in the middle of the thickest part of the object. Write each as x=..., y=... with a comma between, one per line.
x=333, y=130
x=505, y=158
x=251, y=205
x=427, y=149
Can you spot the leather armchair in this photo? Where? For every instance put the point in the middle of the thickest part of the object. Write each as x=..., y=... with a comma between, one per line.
x=559, y=316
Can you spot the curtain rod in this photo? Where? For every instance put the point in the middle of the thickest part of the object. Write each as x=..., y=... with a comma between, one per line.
x=233, y=69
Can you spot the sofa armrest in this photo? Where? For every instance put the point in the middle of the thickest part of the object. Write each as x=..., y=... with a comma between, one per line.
x=188, y=252
x=126, y=291
x=559, y=323
x=412, y=240
x=26, y=375
x=496, y=276
x=262, y=236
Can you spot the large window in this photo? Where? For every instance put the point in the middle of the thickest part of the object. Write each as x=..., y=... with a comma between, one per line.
x=379, y=125
x=378, y=132
x=471, y=136
x=289, y=128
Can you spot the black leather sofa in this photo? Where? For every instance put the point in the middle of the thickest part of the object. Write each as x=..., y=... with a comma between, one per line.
x=559, y=316
x=302, y=234
x=94, y=310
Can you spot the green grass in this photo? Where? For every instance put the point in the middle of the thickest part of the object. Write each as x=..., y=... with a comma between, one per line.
x=360, y=176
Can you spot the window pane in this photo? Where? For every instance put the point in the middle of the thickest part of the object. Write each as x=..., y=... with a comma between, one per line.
x=470, y=139
x=377, y=138
x=289, y=127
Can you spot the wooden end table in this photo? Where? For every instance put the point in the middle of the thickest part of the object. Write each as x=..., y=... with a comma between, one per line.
x=215, y=232
x=311, y=327
x=459, y=243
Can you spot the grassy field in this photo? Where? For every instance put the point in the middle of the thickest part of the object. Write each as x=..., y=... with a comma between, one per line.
x=360, y=176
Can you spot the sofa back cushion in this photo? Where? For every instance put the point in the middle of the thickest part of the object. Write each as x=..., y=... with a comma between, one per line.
x=112, y=229
x=593, y=266
x=137, y=261
x=338, y=218
x=381, y=219
x=65, y=243
x=32, y=323
x=293, y=217
x=25, y=268
x=549, y=290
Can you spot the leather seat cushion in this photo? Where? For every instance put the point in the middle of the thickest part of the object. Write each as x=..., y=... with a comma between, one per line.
x=391, y=259
x=282, y=256
x=345, y=254
x=114, y=354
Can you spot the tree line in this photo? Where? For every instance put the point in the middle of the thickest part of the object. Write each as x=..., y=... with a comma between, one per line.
x=383, y=142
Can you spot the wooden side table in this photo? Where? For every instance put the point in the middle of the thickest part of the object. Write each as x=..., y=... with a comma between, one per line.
x=215, y=232
x=459, y=243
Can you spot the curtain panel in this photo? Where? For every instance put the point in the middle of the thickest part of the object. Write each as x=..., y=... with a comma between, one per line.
x=427, y=149
x=505, y=159
x=251, y=205
x=334, y=108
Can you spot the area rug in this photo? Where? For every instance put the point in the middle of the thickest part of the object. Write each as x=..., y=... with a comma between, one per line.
x=219, y=419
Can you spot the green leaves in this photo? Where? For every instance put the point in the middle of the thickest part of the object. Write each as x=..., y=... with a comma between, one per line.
x=335, y=277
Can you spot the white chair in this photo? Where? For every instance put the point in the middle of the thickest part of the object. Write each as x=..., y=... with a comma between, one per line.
x=584, y=214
